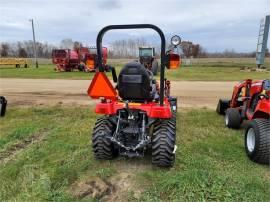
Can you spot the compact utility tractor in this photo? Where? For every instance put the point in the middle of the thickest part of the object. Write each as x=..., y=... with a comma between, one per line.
x=250, y=100
x=147, y=57
x=139, y=114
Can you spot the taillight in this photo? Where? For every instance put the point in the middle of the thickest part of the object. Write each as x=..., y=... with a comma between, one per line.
x=174, y=61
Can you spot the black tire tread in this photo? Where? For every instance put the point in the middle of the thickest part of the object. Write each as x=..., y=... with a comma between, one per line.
x=101, y=144
x=234, y=118
x=262, y=154
x=163, y=142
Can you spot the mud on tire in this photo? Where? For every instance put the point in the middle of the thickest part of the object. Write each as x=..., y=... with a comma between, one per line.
x=163, y=143
x=258, y=147
x=101, y=144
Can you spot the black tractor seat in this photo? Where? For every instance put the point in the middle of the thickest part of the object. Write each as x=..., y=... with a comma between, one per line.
x=135, y=83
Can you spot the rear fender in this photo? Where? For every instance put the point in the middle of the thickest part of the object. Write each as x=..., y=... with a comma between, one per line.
x=262, y=109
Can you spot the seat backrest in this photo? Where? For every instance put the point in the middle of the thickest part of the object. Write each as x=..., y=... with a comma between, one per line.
x=134, y=83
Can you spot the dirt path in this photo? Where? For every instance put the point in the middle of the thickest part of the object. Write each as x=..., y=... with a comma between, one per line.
x=54, y=91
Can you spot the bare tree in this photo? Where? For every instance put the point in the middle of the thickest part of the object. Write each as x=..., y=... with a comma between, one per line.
x=66, y=43
x=77, y=45
x=21, y=50
x=126, y=48
x=187, y=48
x=4, y=49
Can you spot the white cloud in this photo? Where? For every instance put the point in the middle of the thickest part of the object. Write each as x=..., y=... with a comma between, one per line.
x=216, y=24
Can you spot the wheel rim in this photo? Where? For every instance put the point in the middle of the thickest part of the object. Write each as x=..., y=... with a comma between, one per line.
x=251, y=140
x=226, y=120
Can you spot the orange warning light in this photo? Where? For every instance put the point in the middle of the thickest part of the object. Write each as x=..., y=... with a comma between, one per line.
x=101, y=87
x=174, y=60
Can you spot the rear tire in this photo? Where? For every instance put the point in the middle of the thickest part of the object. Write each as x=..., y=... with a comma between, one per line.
x=257, y=141
x=222, y=106
x=102, y=146
x=232, y=118
x=163, y=143
x=155, y=67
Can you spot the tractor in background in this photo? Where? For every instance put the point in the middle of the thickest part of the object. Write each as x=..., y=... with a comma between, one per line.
x=138, y=114
x=250, y=101
x=65, y=59
x=147, y=57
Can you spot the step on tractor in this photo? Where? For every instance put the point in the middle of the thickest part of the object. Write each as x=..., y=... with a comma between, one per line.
x=138, y=114
x=147, y=57
x=250, y=101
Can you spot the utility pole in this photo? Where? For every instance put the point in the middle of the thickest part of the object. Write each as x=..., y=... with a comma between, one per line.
x=34, y=39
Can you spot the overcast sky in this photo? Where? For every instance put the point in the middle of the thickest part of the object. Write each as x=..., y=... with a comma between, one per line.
x=215, y=24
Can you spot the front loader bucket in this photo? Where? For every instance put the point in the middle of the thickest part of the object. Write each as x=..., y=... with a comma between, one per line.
x=222, y=106
x=3, y=106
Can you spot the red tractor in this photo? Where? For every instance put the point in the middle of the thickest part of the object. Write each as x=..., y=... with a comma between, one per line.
x=139, y=114
x=65, y=59
x=250, y=101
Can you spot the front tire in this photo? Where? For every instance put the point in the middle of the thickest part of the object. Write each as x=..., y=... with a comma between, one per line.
x=102, y=146
x=257, y=141
x=233, y=118
x=163, y=143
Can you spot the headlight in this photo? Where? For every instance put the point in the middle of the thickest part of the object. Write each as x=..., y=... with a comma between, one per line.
x=176, y=40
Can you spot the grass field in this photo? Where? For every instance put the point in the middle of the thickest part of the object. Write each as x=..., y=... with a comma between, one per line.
x=46, y=151
x=206, y=70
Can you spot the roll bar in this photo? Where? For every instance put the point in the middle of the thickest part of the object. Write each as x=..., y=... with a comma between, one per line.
x=135, y=26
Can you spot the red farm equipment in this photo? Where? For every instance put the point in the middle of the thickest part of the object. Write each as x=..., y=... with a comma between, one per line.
x=251, y=101
x=65, y=59
x=138, y=114
x=90, y=59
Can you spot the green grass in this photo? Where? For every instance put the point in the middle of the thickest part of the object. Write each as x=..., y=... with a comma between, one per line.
x=198, y=72
x=211, y=164
x=43, y=72
x=213, y=73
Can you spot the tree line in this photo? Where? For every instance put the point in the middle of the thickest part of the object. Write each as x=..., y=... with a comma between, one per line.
x=124, y=48
x=25, y=49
